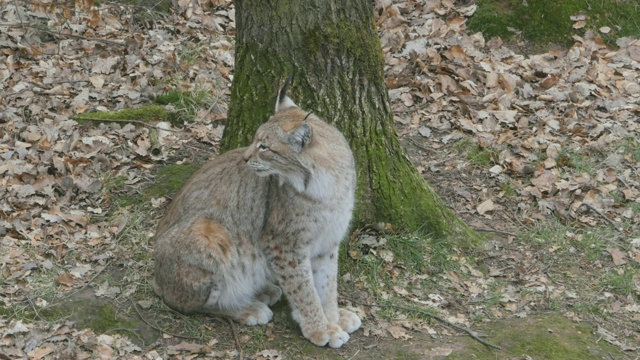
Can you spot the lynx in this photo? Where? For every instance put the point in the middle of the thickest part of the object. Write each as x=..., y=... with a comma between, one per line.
x=262, y=220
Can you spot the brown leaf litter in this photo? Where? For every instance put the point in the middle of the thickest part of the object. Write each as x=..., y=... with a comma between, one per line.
x=539, y=116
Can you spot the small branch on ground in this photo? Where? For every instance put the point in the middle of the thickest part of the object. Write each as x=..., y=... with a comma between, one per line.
x=95, y=276
x=592, y=208
x=436, y=317
x=130, y=331
x=23, y=24
x=208, y=111
x=154, y=141
x=74, y=36
x=235, y=336
x=414, y=109
x=418, y=145
x=493, y=231
x=158, y=328
x=124, y=121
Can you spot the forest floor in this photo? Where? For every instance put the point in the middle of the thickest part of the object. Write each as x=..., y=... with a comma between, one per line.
x=540, y=152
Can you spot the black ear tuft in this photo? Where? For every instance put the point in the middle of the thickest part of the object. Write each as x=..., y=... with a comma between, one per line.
x=283, y=101
x=300, y=136
x=283, y=89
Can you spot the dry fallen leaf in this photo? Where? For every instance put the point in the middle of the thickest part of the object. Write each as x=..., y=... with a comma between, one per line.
x=188, y=347
x=485, y=206
x=618, y=257
x=268, y=354
x=66, y=279
x=40, y=352
x=399, y=332
x=579, y=24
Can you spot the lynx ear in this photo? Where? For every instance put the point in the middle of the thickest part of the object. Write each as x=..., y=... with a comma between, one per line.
x=300, y=136
x=283, y=101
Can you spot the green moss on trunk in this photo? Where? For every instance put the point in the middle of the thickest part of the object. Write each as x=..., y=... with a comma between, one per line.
x=333, y=50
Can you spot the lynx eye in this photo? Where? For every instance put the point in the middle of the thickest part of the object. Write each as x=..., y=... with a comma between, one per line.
x=262, y=147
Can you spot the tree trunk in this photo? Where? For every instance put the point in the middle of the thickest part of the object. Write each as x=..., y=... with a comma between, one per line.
x=333, y=50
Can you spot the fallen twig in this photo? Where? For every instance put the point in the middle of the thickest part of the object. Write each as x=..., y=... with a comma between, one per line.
x=235, y=336
x=105, y=41
x=493, y=231
x=95, y=276
x=24, y=24
x=418, y=145
x=208, y=111
x=436, y=317
x=414, y=109
x=128, y=330
x=603, y=216
x=158, y=328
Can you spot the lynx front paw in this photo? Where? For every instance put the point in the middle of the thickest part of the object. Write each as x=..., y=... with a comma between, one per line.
x=332, y=335
x=349, y=321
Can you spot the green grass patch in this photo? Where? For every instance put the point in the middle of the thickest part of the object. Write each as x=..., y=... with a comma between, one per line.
x=170, y=180
x=113, y=183
x=190, y=53
x=406, y=261
x=186, y=103
x=578, y=161
x=630, y=147
x=581, y=257
x=544, y=22
x=182, y=99
x=509, y=190
x=622, y=279
x=558, y=238
x=477, y=156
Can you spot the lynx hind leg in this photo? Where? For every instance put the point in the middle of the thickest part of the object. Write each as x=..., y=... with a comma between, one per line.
x=188, y=260
x=256, y=313
x=349, y=321
x=270, y=294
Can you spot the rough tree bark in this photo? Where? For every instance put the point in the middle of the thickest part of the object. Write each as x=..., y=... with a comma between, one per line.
x=333, y=50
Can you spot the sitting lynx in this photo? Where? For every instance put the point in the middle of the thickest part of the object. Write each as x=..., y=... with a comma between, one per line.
x=272, y=213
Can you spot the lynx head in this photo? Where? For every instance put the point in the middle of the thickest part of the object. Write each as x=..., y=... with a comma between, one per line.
x=279, y=145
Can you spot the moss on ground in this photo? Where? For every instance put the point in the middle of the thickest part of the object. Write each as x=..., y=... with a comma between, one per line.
x=98, y=316
x=86, y=312
x=170, y=180
x=544, y=22
x=144, y=114
x=186, y=104
x=539, y=337
x=177, y=97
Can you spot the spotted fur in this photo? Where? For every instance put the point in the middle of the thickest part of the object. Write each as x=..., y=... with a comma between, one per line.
x=262, y=220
